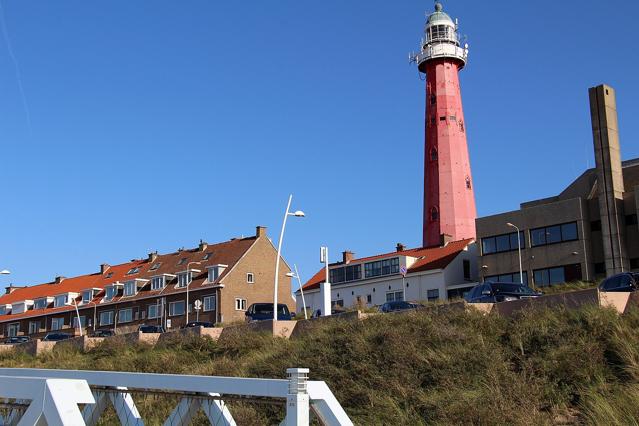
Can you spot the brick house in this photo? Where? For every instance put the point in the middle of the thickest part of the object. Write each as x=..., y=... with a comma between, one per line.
x=226, y=278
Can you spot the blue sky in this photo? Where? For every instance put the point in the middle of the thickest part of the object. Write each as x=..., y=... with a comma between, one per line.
x=149, y=125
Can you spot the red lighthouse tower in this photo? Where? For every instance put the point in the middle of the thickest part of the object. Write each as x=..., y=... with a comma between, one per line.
x=449, y=200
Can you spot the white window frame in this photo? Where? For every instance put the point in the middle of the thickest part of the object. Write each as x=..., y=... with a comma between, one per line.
x=184, y=279
x=57, y=323
x=122, y=320
x=250, y=278
x=90, y=298
x=37, y=328
x=161, y=279
x=42, y=299
x=13, y=329
x=240, y=304
x=55, y=300
x=205, y=304
x=110, y=320
x=172, y=306
x=128, y=291
x=157, y=308
x=112, y=288
x=83, y=321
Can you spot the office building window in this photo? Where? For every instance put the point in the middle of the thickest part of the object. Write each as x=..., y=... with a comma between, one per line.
x=346, y=274
x=433, y=295
x=557, y=275
x=106, y=318
x=502, y=243
x=554, y=234
x=395, y=296
x=381, y=267
x=507, y=278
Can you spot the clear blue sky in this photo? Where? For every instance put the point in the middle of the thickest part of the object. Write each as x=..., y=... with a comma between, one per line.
x=150, y=125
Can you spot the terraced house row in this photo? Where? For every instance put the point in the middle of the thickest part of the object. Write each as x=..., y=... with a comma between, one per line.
x=223, y=278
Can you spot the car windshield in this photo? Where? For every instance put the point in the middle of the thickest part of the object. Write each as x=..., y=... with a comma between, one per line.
x=268, y=309
x=511, y=288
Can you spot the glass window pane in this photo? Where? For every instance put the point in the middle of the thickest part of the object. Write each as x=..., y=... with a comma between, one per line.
x=503, y=243
x=488, y=245
x=553, y=234
x=556, y=275
x=538, y=237
x=541, y=277
x=569, y=232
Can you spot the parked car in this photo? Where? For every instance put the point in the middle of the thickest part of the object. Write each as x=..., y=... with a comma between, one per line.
x=204, y=324
x=103, y=333
x=626, y=281
x=56, y=337
x=491, y=292
x=398, y=305
x=15, y=340
x=335, y=310
x=264, y=311
x=151, y=329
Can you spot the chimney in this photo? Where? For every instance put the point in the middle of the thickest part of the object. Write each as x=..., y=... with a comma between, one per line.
x=104, y=267
x=444, y=239
x=260, y=231
x=400, y=247
x=203, y=245
x=11, y=288
x=152, y=256
x=59, y=279
x=347, y=256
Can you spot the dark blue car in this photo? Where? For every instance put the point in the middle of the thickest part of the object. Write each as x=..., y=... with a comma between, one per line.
x=490, y=292
x=264, y=311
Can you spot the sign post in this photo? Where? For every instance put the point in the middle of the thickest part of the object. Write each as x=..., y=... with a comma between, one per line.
x=197, y=305
x=403, y=271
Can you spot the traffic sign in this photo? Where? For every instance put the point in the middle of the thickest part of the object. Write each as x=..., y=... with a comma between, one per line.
x=197, y=304
x=403, y=271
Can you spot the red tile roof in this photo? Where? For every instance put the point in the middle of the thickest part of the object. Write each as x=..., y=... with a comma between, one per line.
x=226, y=253
x=428, y=259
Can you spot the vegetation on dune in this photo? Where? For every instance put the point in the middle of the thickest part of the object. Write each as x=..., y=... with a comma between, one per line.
x=425, y=367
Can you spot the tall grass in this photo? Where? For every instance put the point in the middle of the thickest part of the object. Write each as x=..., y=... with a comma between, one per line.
x=424, y=367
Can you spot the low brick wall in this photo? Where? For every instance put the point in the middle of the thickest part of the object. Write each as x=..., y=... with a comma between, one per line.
x=211, y=332
x=282, y=329
x=6, y=348
x=139, y=337
x=36, y=347
x=83, y=343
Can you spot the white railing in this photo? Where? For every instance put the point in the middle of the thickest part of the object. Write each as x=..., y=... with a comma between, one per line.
x=197, y=393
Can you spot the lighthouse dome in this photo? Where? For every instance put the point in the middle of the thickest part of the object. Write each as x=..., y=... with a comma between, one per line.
x=439, y=17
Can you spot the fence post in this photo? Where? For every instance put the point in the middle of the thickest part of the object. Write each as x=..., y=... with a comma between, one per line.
x=297, y=400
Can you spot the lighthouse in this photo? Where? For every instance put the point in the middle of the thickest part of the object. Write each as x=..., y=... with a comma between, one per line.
x=449, y=200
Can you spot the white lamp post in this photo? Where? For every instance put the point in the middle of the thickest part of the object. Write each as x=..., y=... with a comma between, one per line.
x=77, y=313
x=188, y=283
x=299, y=280
x=521, y=271
x=288, y=213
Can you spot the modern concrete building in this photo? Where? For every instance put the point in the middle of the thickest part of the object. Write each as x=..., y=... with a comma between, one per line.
x=587, y=232
x=421, y=274
x=225, y=278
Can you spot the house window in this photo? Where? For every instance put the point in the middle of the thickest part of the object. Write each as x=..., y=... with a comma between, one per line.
x=240, y=304
x=157, y=283
x=83, y=322
x=207, y=256
x=369, y=298
x=106, y=318
x=466, y=265
x=3, y=310
x=345, y=274
x=154, y=311
x=13, y=329
x=184, y=279
x=176, y=308
x=111, y=292
x=182, y=261
x=338, y=302
x=155, y=266
x=34, y=327
x=60, y=300
x=215, y=272
x=250, y=279
x=125, y=315
x=57, y=323
x=40, y=304
x=87, y=296
x=395, y=296
x=130, y=288
x=433, y=295
x=209, y=303
x=133, y=271
x=381, y=267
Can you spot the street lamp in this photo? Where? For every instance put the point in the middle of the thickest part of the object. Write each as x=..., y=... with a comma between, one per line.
x=4, y=272
x=288, y=213
x=299, y=280
x=188, y=283
x=521, y=271
x=77, y=314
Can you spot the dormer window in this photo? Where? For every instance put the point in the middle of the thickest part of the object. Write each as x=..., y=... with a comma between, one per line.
x=182, y=261
x=111, y=291
x=157, y=283
x=109, y=275
x=155, y=266
x=5, y=309
x=42, y=303
x=184, y=278
x=87, y=295
x=130, y=288
x=215, y=271
x=60, y=300
x=207, y=256
x=134, y=270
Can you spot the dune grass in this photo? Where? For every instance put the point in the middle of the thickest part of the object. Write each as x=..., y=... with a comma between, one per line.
x=425, y=367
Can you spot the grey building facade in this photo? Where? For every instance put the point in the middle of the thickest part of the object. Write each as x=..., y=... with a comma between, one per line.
x=587, y=232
